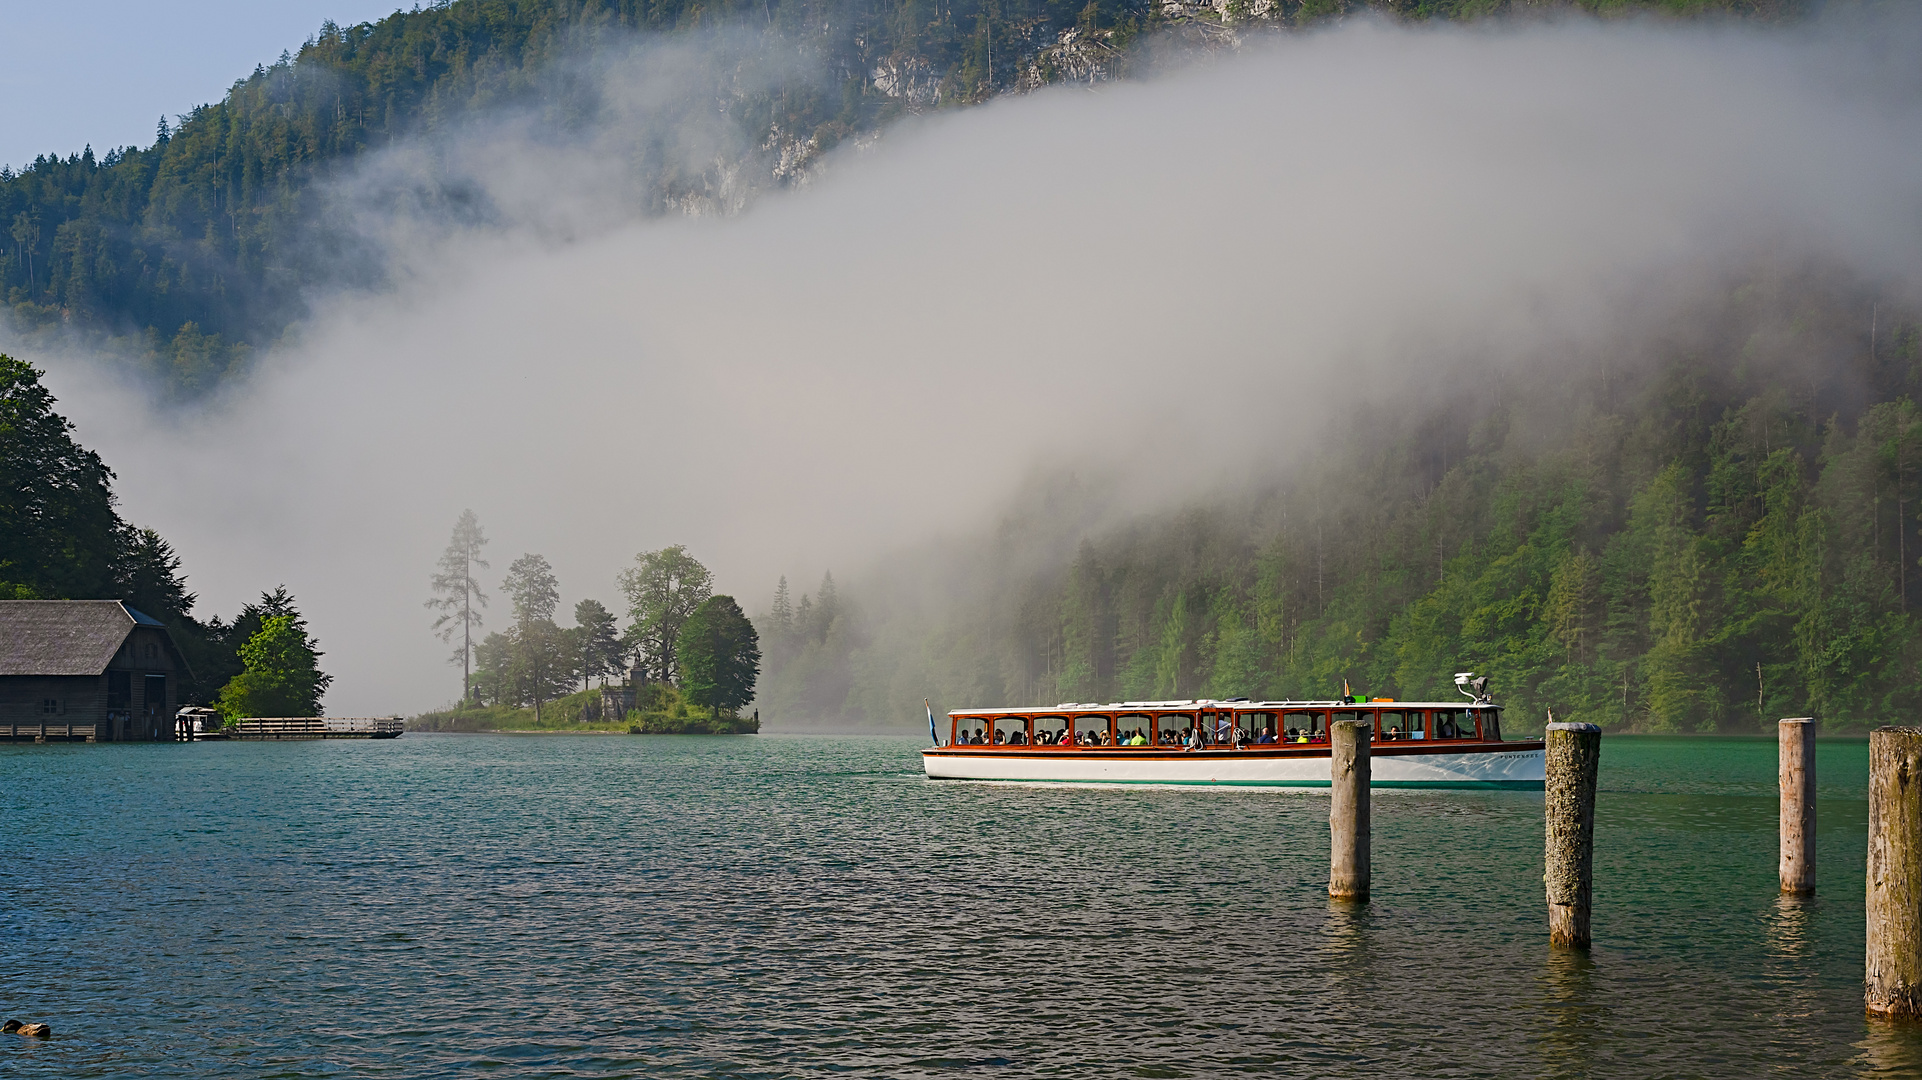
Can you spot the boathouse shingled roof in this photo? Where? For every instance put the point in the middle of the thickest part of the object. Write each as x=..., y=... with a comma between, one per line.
x=64, y=637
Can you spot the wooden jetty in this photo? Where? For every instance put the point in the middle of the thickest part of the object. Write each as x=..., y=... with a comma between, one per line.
x=42, y=731
x=318, y=727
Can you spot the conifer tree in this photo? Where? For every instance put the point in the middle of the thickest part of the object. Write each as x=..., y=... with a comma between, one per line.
x=720, y=656
x=601, y=651
x=458, y=596
x=783, y=611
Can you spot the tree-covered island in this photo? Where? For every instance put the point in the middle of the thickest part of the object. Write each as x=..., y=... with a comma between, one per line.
x=686, y=663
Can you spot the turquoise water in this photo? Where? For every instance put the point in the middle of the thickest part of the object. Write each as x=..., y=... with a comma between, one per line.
x=785, y=906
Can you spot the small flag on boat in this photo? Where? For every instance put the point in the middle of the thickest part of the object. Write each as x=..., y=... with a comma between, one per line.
x=931, y=734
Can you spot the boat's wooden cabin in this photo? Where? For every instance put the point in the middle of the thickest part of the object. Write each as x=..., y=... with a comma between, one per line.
x=1220, y=724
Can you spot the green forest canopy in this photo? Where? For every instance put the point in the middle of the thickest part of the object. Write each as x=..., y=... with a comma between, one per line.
x=61, y=538
x=186, y=255
x=1708, y=538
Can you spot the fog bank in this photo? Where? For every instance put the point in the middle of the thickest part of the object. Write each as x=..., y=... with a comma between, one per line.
x=1175, y=281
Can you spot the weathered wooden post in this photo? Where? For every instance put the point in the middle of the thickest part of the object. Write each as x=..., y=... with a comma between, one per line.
x=1894, y=976
x=1574, y=752
x=1348, y=819
x=1796, y=775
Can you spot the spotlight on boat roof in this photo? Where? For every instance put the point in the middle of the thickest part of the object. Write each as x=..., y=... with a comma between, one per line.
x=1472, y=687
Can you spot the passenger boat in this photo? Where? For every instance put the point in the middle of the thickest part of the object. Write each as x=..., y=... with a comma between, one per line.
x=1237, y=743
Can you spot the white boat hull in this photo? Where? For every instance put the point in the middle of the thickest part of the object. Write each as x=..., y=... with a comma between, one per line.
x=1498, y=765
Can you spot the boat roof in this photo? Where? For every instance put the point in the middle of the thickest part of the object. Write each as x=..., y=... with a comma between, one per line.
x=1233, y=704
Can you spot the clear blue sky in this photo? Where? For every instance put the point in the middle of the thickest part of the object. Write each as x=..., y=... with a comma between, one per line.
x=103, y=71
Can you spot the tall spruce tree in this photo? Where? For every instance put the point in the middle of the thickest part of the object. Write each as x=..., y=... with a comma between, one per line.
x=458, y=596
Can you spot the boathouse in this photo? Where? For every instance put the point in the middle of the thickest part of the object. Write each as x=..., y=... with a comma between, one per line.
x=86, y=670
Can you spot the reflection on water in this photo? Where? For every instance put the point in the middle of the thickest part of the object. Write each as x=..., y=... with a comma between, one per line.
x=1890, y=1048
x=1347, y=954
x=1790, y=927
x=1570, y=1016
x=785, y=906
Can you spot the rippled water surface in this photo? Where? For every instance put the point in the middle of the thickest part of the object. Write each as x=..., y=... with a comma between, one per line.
x=788, y=905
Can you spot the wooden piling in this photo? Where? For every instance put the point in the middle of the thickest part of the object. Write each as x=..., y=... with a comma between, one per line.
x=1574, y=752
x=1348, y=817
x=1894, y=967
x=1796, y=776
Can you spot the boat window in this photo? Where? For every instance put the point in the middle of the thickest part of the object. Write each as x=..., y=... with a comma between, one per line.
x=1050, y=730
x=1258, y=727
x=1011, y=731
x=1401, y=724
x=1134, y=729
x=970, y=730
x=1172, y=728
x=1092, y=731
x=1340, y=715
x=1304, y=727
x=1491, y=721
x=1454, y=724
x=1218, y=728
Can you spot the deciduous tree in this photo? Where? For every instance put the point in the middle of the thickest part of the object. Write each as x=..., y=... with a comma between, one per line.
x=663, y=588
x=281, y=673
x=540, y=650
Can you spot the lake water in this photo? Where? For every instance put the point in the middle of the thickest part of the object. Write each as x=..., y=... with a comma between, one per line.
x=789, y=905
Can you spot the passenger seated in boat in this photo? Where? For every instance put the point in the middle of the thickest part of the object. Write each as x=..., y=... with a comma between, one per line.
x=1139, y=739
x=1266, y=737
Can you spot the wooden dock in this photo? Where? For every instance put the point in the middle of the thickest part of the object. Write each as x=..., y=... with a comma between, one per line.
x=40, y=731
x=294, y=727
x=318, y=727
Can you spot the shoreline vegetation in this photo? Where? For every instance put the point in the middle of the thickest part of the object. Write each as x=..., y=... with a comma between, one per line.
x=579, y=713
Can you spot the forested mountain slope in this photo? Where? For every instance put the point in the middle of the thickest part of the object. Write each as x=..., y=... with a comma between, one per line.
x=187, y=254
x=1705, y=532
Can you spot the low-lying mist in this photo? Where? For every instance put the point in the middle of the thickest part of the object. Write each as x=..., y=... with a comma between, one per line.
x=1176, y=285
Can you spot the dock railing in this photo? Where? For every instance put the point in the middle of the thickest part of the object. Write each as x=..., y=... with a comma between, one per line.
x=318, y=727
x=42, y=731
